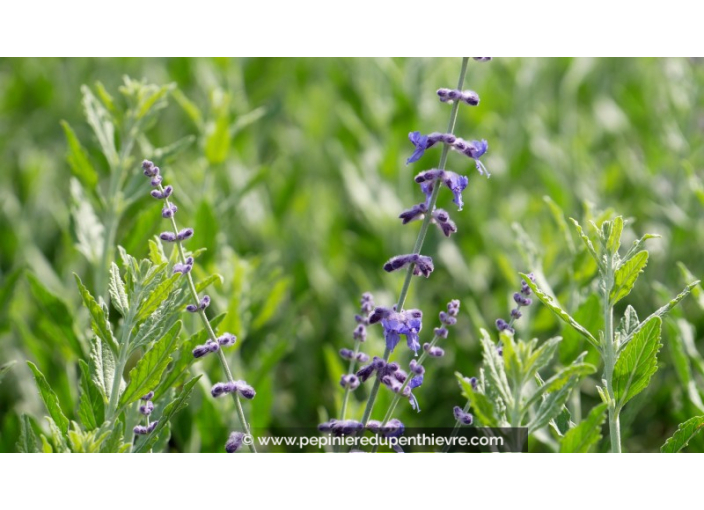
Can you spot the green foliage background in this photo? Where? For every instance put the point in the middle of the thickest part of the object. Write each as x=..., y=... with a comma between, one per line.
x=294, y=180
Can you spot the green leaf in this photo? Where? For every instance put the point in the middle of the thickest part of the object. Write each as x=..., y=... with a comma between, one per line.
x=5, y=367
x=272, y=303
x=175, y=406
x=660, y=312
x=682, y=335
x=156, y=297
x=91, y=405
x=51, y=401
x=183, y=359
x=206, y=224
x=99, y=315
x=78, y=159
x=626, y=276
x=582, y=437
x=27, y=442
x=559, y=217
x=202, y=285
x=57, y=311
x=637, y=246
x=145, y=376
x=589, y=315
x=113, y=443
x=494, y=366
x=576, y=370
x=587, y=241
x=697, y=291
x=637, y=362
x=99, y=119
x=117, y=290
x=217, y=140
x=162, y=319
x=685, y=432
x=86, y=228
x=552, y=405
x=189, y=107
x=629, y=322
x=557, y=310
x=156, y=252
x=613, y=243
x=102, y=367
x=481, y=406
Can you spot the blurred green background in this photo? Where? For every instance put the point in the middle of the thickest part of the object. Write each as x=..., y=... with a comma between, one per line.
x=293, y=173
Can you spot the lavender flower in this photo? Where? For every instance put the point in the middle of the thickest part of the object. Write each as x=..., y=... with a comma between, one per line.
x=416, y=367
x=462, y=417
x=521, y=299
x=420, y=142
x=350, y=381
x=227, y=339
x=435, y=352
x=234, y=442
x=164, y=194
x=169, y=237
x=149, y=169
x=407, y=323
x=341, y=427
x=147, y=408
x=152, y=426
x=204, y=303
x=168, y=211
x=457, y=184
x=442, y=219
x=140, y=430
x=184, y=234
x=148, y=396
x=450, y=95
x=423, y=264
x=417, y=212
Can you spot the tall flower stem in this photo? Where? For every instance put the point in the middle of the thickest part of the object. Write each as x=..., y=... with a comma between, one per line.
x=420, y=240
x=211, y=334
x=609, y=354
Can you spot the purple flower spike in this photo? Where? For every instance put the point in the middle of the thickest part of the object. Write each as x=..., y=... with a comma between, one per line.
x=169, y=237
x=362, y=357
x=227, y=340
x=156, y=180
x=435, y=352
x=420, y=142
x=200, y=351
x=148, y=168
x=220, y=389
x=148, y=396
x=184, y=234
x=234, y=442
x=440, y=332
x=457, y=184
x=346, y=354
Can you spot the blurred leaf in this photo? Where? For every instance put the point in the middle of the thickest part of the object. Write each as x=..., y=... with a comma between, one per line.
x=27, y=442
x=7, y=289
x=145, y=376
x=175, y=406
x=91, y=406
x=174, y=149
x=589, y=315
x=683, y=332
x=207, y=227
x=99, y=119
x=697, y=289
x=552, y=305
x=217, y=140
x=571, y=372
x=637, y=362
x=587, y=241
x=189, y=107
x=85, y=225
x=685, y=432
x=113, y=442
x=588, y=433
x=272, y=304
x=99, y=316
x=626, y=276
x=78, y=159
x=5, y=367
x=480, y=405
x=156, y=297
x=51, y=401
x=613, y=243
x=56, y=310
x=552, y=404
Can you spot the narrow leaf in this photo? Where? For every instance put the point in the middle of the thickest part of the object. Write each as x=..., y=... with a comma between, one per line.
x=51, y=401
x=563, y=315
x=27, y=442
x=78, y=159
x=99, y=316
x=5, y=367
x=613, y=243
x=117, y=290
x=586, y=240
x=91, y=406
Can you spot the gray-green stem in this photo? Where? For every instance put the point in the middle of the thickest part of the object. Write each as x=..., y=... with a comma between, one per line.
x=211, y=334
x=610, y=356
x=420, y=240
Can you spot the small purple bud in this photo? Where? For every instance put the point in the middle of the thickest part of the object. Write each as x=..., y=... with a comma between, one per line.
x=350, y=381
x=219, y=389
x=147, y=408
x=443, y=94
x=148, y=396
x=500, y=350
x=516, y=314
x=191, y=308
x=152, y=426
x=212, y=346
x=482, y=59
x=440, y=332
x=424, y=266
x=168, y=190
x=200, y=351
x=367, y=303
x=453, y=307
x=205, y=302
x=140, y=430
x=474, y=382
x=227, y=339
x=470, y=97
x=246, y=391
x=169, y=237
x=365, y=372
x=148, y=168
x=234, y=442
x=374, y=426
x=168, y=211
x=447, y=319
x=400, y=375
x=414, y=213
x=502, y=325
x=457, y=411
x=429, y=176
x=362, y=357
x=435, y=352
x=184, y=234
x=379, y=313
x=347, y=354
x=360, y=333
x=416, y=367
x=156, y=180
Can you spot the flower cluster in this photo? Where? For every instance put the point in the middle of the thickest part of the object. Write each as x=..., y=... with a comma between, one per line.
x=474, y=149
x=213, y=344
x=466, y=96
x=422, y=264
x=146, y=409
x=243, y=389
x=462, y=417
x=351, y=381
x=521, y=299
x=341, y=427
x=407, y=323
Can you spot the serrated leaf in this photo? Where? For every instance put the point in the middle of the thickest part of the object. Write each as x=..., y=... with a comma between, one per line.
x=552, y=405
x=91, y=405
x=175, y=406
x=156, y=297
x=494, y=367
x=629, y=322
x=637, y=362
x=156, y=252
x=51, y=401
x=685, y=432
x=145, y=376
x=102, y=367
x=163, y=318
x=88, y=230
x=560, y=379
x=613, y=243
x=99, y=119
x=117, y=290
x=582, y=437
x=99, y=316
x=626, y=276
x=557, y=310
x=27, y=442
x=57, y=311
x=113, y=442
x=78, y=159
x=480, y=405
x=183, y=359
